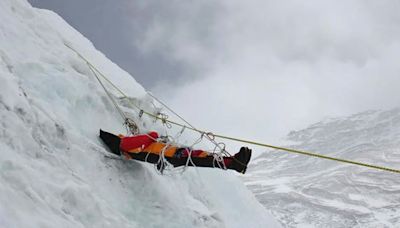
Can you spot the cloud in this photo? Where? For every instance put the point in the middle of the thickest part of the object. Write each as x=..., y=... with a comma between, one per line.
x=255, y=69
x=280, y=66
x=126, y=31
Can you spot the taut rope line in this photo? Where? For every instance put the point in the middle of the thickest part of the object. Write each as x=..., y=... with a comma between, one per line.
x=208, y=134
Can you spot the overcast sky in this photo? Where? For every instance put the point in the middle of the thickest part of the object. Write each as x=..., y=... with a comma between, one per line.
x=254, y=69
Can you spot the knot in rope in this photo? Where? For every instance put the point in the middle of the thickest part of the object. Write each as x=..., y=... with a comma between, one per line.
x=131, y=126
x=164, y=119
x=221, y=146
x=209, y=135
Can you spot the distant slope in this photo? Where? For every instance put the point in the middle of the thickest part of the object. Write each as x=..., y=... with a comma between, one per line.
x=309, y=191
x=52, y=169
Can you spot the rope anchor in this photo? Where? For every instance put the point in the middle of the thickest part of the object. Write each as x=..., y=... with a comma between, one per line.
x=132, y=126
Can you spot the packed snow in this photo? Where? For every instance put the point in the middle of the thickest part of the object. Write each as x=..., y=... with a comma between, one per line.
x=309, y=192
x=53, y=171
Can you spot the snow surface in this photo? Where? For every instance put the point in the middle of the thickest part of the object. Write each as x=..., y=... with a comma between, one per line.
x=53, y=172
x=308, y=192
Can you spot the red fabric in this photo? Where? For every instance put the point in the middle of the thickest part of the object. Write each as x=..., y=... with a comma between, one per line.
x=195, y=153
x=228, y=161
x=132, y=142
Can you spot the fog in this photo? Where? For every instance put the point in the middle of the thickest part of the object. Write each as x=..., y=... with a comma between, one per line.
x=252, y=69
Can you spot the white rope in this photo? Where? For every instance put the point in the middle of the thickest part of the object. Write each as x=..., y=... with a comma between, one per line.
x=208, y=135
x=133, y=128
x=189, y=159
x=162, y=162
x=219, y=156
x=130, y=125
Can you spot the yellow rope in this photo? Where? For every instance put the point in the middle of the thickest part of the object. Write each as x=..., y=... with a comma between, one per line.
x=311, y=154
x=307, y=153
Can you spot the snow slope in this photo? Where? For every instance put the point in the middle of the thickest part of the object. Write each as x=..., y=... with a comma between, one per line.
x=303, y=191
x=53, y=172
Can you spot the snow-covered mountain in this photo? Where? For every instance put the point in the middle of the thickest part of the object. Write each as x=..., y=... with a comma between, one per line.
x=53, y=172
x=309, y=192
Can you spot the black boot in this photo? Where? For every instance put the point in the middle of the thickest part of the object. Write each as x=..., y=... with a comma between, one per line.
x=240, y=160
x=112, y=142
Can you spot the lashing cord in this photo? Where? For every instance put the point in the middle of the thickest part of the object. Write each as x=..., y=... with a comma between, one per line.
x=210, y=136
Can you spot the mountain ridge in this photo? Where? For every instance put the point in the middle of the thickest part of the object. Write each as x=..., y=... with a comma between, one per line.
x=309, y=191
